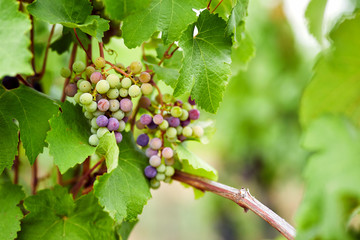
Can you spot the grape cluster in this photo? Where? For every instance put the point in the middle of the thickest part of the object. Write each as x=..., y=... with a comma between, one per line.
x=163, y=126
x=106, y=97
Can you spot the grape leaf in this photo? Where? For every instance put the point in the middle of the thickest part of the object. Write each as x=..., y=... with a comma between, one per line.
x=242, y=53
x=14, y=51
x=32, y=110
x=194, y=165
x=71, y=14
x=119, y=9
x=206, y=64
x=314, y=15
x=124, y=191
x=171, y=17
x=68, y=137
x=54, y=215
x=62, y=44
x=168, y=75
x=335, y=87
x=125, y=228
x=10, y=213
x=107, y=147
x=237, y=17
x=330, y=175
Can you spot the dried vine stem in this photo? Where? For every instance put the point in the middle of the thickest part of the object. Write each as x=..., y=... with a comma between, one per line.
x=242, y=197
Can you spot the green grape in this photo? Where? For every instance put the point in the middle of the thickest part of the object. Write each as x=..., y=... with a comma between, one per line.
x=167, y=98
x=78, y=66
x=92, y=107
x=79, y=82
x=98, y=113
x=146, y=88
x=179, y=130
x=114, y=105
x=88, y=115
x=100, y=62
x=102, y=87
x=187, y=131
x=122, y=126
x=168, y=180
x=93, y=140
x=160, y=177
x=171, y=132
x=161, y=168
x=93, y=130
x=187, y=106
x=86, y=98
x=198, y=131
x=164, y=125
x=101, y=131
x=113, y=80
x=89, y=70
x=126, y=82
x=85, y=86
x=169, y=171
x=112, y=93
x=144, y=77
x=93, y=123
x=184, y=115
x=134, y=91
x=135, y=67
x=154, y=184
x=176, y=111
x=65, y=72
x=123, y=92
x=118, y=115
x=77, y=97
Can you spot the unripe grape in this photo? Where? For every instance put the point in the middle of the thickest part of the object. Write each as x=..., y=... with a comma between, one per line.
x=146, y=88
x=161, y=168
x=164, y=125
x=118, y=114
x=86, y=98
x=77, y=97
x=122, y=125
x=70, y=90
x=171, y=132
x=89, y=70
x=167, y=98
x=150, y=172
x=154, y=184
x=92, y=107
x=65, y=72
x=179, y=130
x=126, y=105
x=150, y=152
x=134, y=91
x=114, y=105
x=187, y=131
x=198, y=131
x=85, y=86
x=184, y=115
x=113, y=93
x=123, y=92
x=102, y=87
x=79, y=82
x=93, y=140
x=167, y=152
x=126, y=82
x=142, y=140
x=160, y=176
x=176, y=111
x=93, y=123
x=155, y=161
x=194, y=114
x=99, y=62
x=103, y=105
x=95, y=77
x=169, y=171
x=78, y=66
x=144, y=102
x=98, y=113
x=113, y=124
x=88, y=115
x=93, y=130
x=187, y=106
x=102, y=131
x=135, y=67
x=145, y=77
x=113, y=80
x=145, y=119
x=155, y=143
x=158, y=119
x=118, y=137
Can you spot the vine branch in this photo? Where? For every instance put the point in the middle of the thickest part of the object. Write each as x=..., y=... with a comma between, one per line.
x=217, y=6
x=242, y=197
x=41, y=74
x=71, y=62
x=82, y=46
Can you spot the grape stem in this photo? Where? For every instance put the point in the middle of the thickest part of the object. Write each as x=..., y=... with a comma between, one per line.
x=21, y=79
x=17, y=163
x=101, y=49
x=242, y=197
x=41, y=74
x=118, y=69
x=217, y=6
x=71, y=62
x=34, y=176
x=167, y=55
x=208, y=6
x=82, y=46
x=32, y=45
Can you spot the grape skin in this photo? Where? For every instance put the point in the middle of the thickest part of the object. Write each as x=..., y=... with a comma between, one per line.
x=158, y=119
x=142, y=140
x=176, y=112
x=167, y=153
x=194, y=114
x=113, y=93
x=126, y=82
x=93, y=140
x=95, y=77
x=103, y=105
x=146, y=88
x=155, y=161
x=134, y=91
x=150, y=152
x=114, y=105
x=126, y=105
x=171, y=132
x=99, y=62
x=198, y=131
x=65, y=72
x=123, y=92
x=155, y=143
x=102, y=131
x=145, y=77
x=150, y=172
x=71, y=90
x=135, y=67
x=102, y=86
x=102, y=121
x=92, y=107
x=78, y=66
x=145, y=119
x=86, y=98
x=118, y=137
x=113, y=124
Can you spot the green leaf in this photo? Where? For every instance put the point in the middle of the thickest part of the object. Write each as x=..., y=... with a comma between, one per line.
x=331, y=176
x=10, y=213
x=171, y=17
x=14, y=51
x=194, y=165
x=125, y=228
x=119, y=9
x=335, y=87
x=243, y=52
x=168, y=75
x=63, y=43
x=32, y=110
x=54, y=215
x=237, y=17
x=71, y=14
x=206, y=68
x=68, y=137
x=107, y=147
x=124, y=191
x=315, y=15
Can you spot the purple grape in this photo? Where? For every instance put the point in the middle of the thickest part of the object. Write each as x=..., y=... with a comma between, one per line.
x=145, y=119
x=152, y=125
x=139, y=125
x=118, y=137
x=125, y=119
x=143, y=140
x=174, y=122
x=144, y=102
x=126, y=105
x=192, y=102
x=113, y=124
x=194, y=114
x=151, y=152
x=103, y=105
x=102, y=121
x=155, y=143
x=179, y=102
x=95, y=77
x=150, y=172
x=185, y=123
x=181, y=138
x=158, y=119
x=70, y=89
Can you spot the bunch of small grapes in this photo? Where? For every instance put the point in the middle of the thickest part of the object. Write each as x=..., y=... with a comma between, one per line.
x=163, y=127
x=106, y=97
